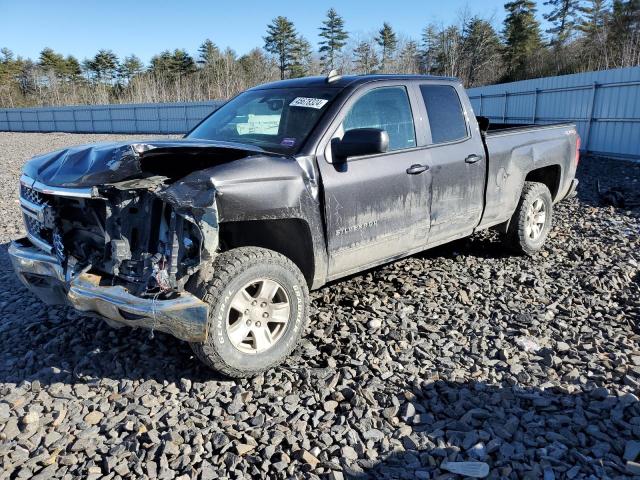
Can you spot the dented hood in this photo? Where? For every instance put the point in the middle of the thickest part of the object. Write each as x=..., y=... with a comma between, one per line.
x=106, y=163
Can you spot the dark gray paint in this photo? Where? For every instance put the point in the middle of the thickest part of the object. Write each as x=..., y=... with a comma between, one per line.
x=373, y=208
x=514, y=153
x=458, y=186
x=112, y=162
x=360, y=213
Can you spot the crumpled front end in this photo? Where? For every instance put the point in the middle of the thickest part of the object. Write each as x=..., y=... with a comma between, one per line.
x=183, y=315
x=124, y=251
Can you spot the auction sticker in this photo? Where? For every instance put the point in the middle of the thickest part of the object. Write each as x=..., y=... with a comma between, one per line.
x=307, y=102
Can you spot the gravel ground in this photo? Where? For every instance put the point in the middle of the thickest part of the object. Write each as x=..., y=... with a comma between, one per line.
x=464, y=353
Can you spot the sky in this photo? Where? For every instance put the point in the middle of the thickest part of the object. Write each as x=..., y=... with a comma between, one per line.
x=146, y=27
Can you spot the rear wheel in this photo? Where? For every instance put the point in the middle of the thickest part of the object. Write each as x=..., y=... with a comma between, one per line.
x=531, y=222
x=259, y=305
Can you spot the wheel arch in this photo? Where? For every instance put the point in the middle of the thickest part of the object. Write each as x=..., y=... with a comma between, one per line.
x=549, y=175
x=290, y=237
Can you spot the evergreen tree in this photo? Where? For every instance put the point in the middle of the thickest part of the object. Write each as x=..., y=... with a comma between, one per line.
x=27, y=77
x=594, y=17
x=388, y=42
x=429, y=49
x=563, y=18
x=593, y=26
x=481, y=50
x=256, y=66
x=365, y=58
x=72, y=68
x=624, y=33
x=300, y=58
x=208, y=53
x=584, y=35
x=409, y=58
x=8, y=67
x=182, y=63
x=172, y=64
x=104, y=65
x=85, y=66
x=334, y=38
x=161, y=64
x=522, y=38
x=52, y=61
x=130, y=67
x=6, y=55
x=448, y=52
x=281, y=41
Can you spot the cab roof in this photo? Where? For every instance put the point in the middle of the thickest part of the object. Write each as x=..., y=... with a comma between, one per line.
x=345, y=81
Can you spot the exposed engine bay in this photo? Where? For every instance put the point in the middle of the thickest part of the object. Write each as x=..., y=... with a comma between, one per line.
x=140, y=215
x=145, y=216
x=128, y=237
x=126, y=230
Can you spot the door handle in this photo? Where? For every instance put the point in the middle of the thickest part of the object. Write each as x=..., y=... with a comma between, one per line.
x=473, y=158
x=417, y=168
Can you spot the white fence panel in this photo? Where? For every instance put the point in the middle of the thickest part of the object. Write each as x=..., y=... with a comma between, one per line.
x=131, y=118
x=604, y=105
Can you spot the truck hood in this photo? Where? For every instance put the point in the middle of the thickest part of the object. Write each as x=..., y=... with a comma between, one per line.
x=107, y=163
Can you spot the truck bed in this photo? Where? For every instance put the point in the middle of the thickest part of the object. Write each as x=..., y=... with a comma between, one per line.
x=515, y=149
x=500, y=128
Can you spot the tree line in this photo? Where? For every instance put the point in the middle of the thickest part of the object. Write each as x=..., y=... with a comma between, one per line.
x=582, y=35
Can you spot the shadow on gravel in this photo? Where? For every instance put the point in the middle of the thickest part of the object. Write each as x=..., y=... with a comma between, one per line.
x=520, y=432
x=57, y=344
x=486, y=244
x=617, y=180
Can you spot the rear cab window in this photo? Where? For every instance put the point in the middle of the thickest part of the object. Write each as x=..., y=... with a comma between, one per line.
x=444, y=110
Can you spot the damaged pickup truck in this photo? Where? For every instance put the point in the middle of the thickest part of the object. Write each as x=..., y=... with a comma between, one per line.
x=217, y=238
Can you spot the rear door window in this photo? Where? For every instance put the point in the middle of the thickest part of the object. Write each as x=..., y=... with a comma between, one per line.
x=446, y=118
x=386, y=108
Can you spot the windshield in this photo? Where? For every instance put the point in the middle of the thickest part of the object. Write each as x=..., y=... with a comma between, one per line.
x=277, y=120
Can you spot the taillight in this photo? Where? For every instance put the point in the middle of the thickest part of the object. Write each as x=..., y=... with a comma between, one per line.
x=577, y=149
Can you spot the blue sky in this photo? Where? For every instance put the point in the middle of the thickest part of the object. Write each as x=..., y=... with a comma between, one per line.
x=146, y=27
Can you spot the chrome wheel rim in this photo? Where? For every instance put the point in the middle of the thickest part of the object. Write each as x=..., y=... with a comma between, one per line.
x=535, y=219
x=258, y=316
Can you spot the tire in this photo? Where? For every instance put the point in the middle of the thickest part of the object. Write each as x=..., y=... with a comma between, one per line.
x=236, y=275
x=522, y=236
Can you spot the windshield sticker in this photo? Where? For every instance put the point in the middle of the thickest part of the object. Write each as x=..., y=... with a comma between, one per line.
x=288, y=142
x=259, y=124
x=307, y=102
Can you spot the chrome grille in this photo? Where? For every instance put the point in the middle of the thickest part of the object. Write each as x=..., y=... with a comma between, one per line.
x=32, y=195
x=38, y=232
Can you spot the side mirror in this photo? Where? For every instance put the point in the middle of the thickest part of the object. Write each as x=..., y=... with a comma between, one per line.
x=361, y=141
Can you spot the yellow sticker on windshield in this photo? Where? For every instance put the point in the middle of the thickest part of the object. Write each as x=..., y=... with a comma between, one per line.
x=307, y=102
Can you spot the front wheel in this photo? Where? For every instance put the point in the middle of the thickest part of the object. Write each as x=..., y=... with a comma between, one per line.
x=531, y=222
x=259, y=306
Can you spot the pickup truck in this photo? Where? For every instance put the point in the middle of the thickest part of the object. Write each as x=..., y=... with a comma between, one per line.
x=216, y=238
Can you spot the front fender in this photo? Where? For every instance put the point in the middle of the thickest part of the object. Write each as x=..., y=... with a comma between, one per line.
x=256, y=188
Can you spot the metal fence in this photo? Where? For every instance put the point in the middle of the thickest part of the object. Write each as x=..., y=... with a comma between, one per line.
x=604, y=105
x=132, y=118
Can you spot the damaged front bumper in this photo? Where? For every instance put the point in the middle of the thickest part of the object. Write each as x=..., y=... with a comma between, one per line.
x=184, y=316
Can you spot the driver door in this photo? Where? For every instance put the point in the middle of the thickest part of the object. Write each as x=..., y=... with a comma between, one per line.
x=376, y=206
